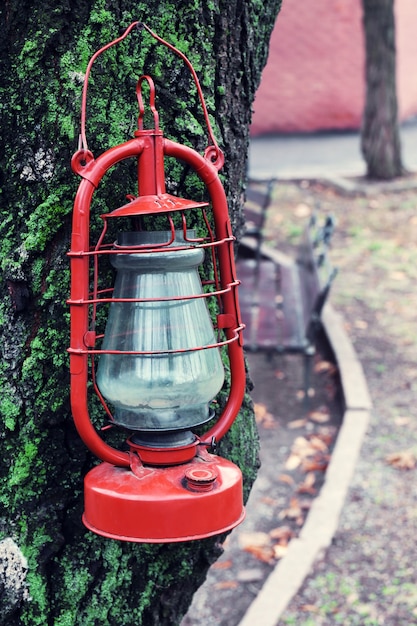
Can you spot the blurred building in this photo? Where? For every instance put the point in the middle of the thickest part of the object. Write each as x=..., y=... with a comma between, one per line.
x=314, y=78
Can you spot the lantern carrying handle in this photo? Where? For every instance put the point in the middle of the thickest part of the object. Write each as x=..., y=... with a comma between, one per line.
x=82, y=145
x=212, y=153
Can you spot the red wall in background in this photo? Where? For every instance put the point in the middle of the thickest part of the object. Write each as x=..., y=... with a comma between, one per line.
x=314, y=78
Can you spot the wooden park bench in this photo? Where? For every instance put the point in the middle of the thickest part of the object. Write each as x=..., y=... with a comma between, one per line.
x=282, y=300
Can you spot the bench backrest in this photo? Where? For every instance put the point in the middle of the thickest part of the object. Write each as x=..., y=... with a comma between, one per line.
x=316, y=269
x=258, y=199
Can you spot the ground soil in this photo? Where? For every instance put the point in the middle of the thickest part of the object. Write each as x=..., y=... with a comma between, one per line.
x=296, y=441
x=368, y=574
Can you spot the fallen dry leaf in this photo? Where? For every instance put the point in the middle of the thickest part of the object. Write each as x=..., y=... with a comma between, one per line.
x=301, y=449
x=286, y=478
x=260, y=411
x=258, y=544
x=404, y=460
x=227, y=584
x=250, y=575
x=301, y=446
x=269, y=501
x=282, y=534
x=325, y=367
x=307, y=486
x=263, y=417
x=280, y=550
x=293, y=461
x=326, y=434
x=262, y=553
x=398, y=275
x=361, y=324
x=304, y=448
x=318, y=444
x=294, y=511
x=302, y=210
x=222, y=564
x=320, y=416
x=402, y=421
x=309, y=608
x=255, y=538
x=316, y=465
x=297, y=424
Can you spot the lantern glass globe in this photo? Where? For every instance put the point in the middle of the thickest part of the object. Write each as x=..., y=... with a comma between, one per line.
x=172, y=377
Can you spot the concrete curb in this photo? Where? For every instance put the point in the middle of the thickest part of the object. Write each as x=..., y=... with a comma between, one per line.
x=323, y=518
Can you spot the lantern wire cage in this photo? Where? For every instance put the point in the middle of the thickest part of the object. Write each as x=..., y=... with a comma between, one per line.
x=101, y=294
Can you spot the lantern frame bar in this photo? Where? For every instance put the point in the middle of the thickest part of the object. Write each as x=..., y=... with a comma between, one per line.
x=92, y=171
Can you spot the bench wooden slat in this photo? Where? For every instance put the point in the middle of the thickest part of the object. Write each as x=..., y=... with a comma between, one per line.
x=293, y=321
x=257, y=297
x=267, y=322
x=303, y=299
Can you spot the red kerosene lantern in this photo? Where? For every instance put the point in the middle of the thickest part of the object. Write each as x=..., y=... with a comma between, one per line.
x=155, y=361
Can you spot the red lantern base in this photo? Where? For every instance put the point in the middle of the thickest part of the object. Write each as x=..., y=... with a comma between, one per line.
x=148, y=504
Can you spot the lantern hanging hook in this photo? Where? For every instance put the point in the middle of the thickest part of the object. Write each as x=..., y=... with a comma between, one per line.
x=213, y=153
x=141, y=104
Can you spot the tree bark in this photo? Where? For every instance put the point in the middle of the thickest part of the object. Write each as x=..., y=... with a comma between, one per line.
x=53, y=571
x=380, y=133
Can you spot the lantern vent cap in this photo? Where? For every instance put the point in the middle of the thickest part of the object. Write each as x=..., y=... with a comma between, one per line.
x=153, y=204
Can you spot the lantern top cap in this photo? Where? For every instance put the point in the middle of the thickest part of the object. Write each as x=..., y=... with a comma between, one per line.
x=153, y=204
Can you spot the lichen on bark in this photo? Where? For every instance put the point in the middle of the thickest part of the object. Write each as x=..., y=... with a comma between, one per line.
x=73, y=577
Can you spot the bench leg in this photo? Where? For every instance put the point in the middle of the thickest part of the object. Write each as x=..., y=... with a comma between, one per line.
x=308, y=368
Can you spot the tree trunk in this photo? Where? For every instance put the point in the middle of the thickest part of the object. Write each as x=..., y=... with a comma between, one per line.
x=53, y=571
x=380, y=134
